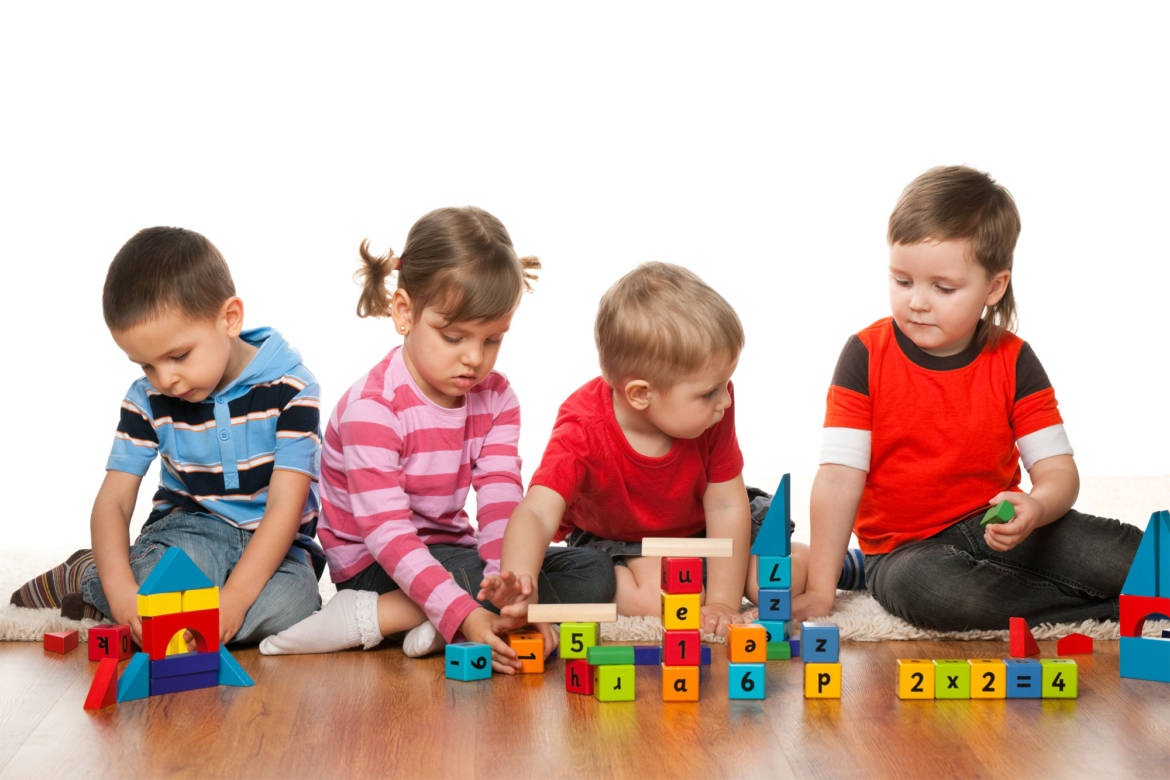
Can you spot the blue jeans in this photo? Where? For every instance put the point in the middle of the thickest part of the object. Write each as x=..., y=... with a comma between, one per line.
x=288, y=597
x=1069, y=570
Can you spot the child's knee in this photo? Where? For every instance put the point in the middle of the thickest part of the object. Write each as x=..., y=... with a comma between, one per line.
x=599, y=579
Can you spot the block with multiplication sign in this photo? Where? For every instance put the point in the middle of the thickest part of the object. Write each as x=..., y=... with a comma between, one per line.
x=1058, y=678
x=106, y=641
x=988, y=678
x=822, y=681
x=1024, y=678
x=682, y=575
x=680, y=683
x=529, y=647
x=579, y=676
x=915, y=678
x=952, y=678
x=819, y=642
x=745, y=681
x=747, y=643
x=774, y=571
x=468, y=661
x=680, y=647
x=577, y=638
x=775, y=604
x=680, y=611
x=614, y=682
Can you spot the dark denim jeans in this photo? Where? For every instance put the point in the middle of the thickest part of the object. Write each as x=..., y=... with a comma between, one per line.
x=1069, y=570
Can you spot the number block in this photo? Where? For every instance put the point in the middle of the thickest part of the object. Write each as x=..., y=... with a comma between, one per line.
x=60, y=641
x=106, y=641
x=680, y=648
x=1023, y=678
x=156, y=604
x=775, y=604
x=680, y=683
x=822, y=681
x=952, y=678
x=577, y=638
x=988, y=678
x=682, y=575
x=747, y=644
x=774, y=571
x=819, y=642
x=200, y=598
x=680, y=610
x=529, y=647
x=915, y=678
x=578, y=676
x=745, y=681
x=468, y=661
x=1058, y=678
x=614, y=682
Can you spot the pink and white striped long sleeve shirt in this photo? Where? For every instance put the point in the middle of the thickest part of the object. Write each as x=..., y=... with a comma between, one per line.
x=396, y=469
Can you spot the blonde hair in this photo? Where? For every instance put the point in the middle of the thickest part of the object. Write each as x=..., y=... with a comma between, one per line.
x=661, y=322
x=459, y=260
x=956, y=202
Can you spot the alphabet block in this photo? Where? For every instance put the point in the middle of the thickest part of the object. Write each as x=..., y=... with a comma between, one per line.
x=159, y=603
x=680, y=648
x=578, y=676
x=680, y=683
x=106, y=641
x=819, y=642
x=103, y=691
x=572, y=613
x=60, y=641
x=747, y=644
x=1021, y=642
x=774, y=571
x=1023, y=678
x=614, y=682
x=680, y=610
x=610, y=655
x=682, y=575
x=822, y=681
x=529, y=647
x=1145, y=658
x=468, y=661
x=686, y=547
x=775, y=604
x=776, y=629
x=576, y=638
x=1074, y=644
x=915, y=678
x=745, y=681
x=952, y=678
x=200, y=598
x=1058, y=678
x=988, y=678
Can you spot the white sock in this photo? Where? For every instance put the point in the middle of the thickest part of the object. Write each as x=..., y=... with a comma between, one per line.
x=349, y=619
x=421, y=640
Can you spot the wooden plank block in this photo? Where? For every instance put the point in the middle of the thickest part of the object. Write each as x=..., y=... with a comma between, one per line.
x=572, y=613
x=686, y=547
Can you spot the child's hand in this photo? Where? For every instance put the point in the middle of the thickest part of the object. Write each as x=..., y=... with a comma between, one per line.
x=1002, y=537
x=511, y=593
x=551, y=634
x=231, y=614
x=485, y=627
x=812, y=604
x=125, y=609
x=716, y=617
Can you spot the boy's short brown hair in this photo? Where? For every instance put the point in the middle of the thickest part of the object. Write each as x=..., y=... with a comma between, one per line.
x=164, y=267
x=956, y=202
x=661, y=322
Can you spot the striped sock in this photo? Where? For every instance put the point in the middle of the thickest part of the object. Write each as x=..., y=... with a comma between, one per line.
x=48, y=589
x=852, y=571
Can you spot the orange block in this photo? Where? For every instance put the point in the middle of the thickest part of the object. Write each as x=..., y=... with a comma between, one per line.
x=680, y=683
x=529, y=647
x=747, y=644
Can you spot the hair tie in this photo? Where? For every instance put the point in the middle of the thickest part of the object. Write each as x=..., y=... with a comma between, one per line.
x=398, y=261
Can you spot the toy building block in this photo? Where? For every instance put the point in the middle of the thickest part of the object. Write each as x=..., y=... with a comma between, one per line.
x=183, y=682
x=106, y=641
x=647, y=655
x=174, y=572
x=200, y=598
x=613, y=682
x=747, y=643
x=777, y=630
x=184, y=664
x=682, y=575
x=745, y=681
x=103, y=691
x=1024, y=677
x=578, y=677
x=680, y=683
x=529, y=647
x=779, y=651
x=159, y=604
x=60, y=641
x=572, y=613
x=774, y=571
x=1074, y=644
x=468, y=661
x=1149, y=574
x=576, y=638
x=230, y=671
x=610, y=655
x=686, y=547
x=1145, y=658
x=680, y=610
x=135, y=680
x=775, y=604
x=1058, y=678
x=915, y=678
x=794, y=643
x=1136, y=609
x=1000, y=513
x=819, y=642
x=952, y=678
x=680, y=648
x=822, y=681
x=1166, y=633
x=1021, y=642
x=773, y=537
x=178, y=644
x=158, y=631
x=988, y=678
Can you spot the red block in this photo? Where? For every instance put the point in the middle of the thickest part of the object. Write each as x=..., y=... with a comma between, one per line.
x=1022, y=644
x=104, y=690
x=108, y=641
x=158, y=630
x=578, y=676
x=1135, y=610
x=60, y=641
x=682, y=575
x=680, y=647
x=1074, y=644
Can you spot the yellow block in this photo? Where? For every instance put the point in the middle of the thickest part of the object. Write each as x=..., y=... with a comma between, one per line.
x=680, y=610
x=988, y=678
x=915, y=678
x=160, y=604
x=177, y=645
x=680, y=683
x=204, y=598
x=822, y=681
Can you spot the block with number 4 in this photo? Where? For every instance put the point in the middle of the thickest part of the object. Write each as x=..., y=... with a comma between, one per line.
x=1059, y=678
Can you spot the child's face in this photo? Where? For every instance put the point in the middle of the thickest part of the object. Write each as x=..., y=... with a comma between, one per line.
x=938, y=293
x=448, y=359
x=184, y=357
x=693, y=404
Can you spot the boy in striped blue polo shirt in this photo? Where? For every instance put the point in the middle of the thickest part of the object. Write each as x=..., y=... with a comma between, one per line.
x=234, y=417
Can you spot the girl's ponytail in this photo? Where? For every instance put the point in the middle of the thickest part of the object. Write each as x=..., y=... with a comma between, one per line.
x=375, y=297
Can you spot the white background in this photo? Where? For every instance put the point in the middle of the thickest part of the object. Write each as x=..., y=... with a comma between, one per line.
x=761, y=144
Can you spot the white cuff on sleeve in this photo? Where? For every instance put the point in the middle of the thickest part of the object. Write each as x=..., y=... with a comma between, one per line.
x=1042, y=444
x=847, y=447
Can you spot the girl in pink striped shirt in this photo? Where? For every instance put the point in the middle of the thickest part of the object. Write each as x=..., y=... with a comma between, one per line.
x=410, y=439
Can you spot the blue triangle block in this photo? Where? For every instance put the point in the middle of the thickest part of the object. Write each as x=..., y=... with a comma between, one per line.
x=773, y=538
x=1149, y=574
x=173, y=572
x=135, y=680
x=230, y=671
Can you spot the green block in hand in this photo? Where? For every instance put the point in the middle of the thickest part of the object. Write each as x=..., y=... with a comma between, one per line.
x=1000, y=513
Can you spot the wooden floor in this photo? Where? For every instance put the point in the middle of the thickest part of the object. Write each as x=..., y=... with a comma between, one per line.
x=378, y=713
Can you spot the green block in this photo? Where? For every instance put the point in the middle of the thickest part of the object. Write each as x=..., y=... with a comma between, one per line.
x=952, y=678
x=779, y=651
x=614, y=683
x=1000, y=513
x=577, y=638
x=1059, y=677
x=610, y=655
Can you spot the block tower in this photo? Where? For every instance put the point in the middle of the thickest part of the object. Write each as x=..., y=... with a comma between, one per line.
x=1146, y=593
x=773, y=548
x=580, y=633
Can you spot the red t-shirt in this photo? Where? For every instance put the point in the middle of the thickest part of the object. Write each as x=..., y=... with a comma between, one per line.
x=616, y=493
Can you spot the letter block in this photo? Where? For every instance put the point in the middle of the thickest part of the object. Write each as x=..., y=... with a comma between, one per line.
x=952, y=678
x=775, y=604
x=774, y=571
x=680, y=683
x=468, y=661
x=680, y=610
x=822, y=681
x=988, y=678
x=529, y=647
x=819, y=642
x=682, y=575
x=578, y=676
x=915, y=678
x=614, y=682
x=60, y=641
x=1058, y=678
x=680, y=648
x=777, y=629
x=106, y=641
x=1023, y=678
x=745, y=681
x=577, y=638
x=747, y=644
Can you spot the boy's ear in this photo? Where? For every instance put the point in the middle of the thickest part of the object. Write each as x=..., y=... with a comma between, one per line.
x=402, y=311
x=232, y=314
x=637, y=393
x=999, y=285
